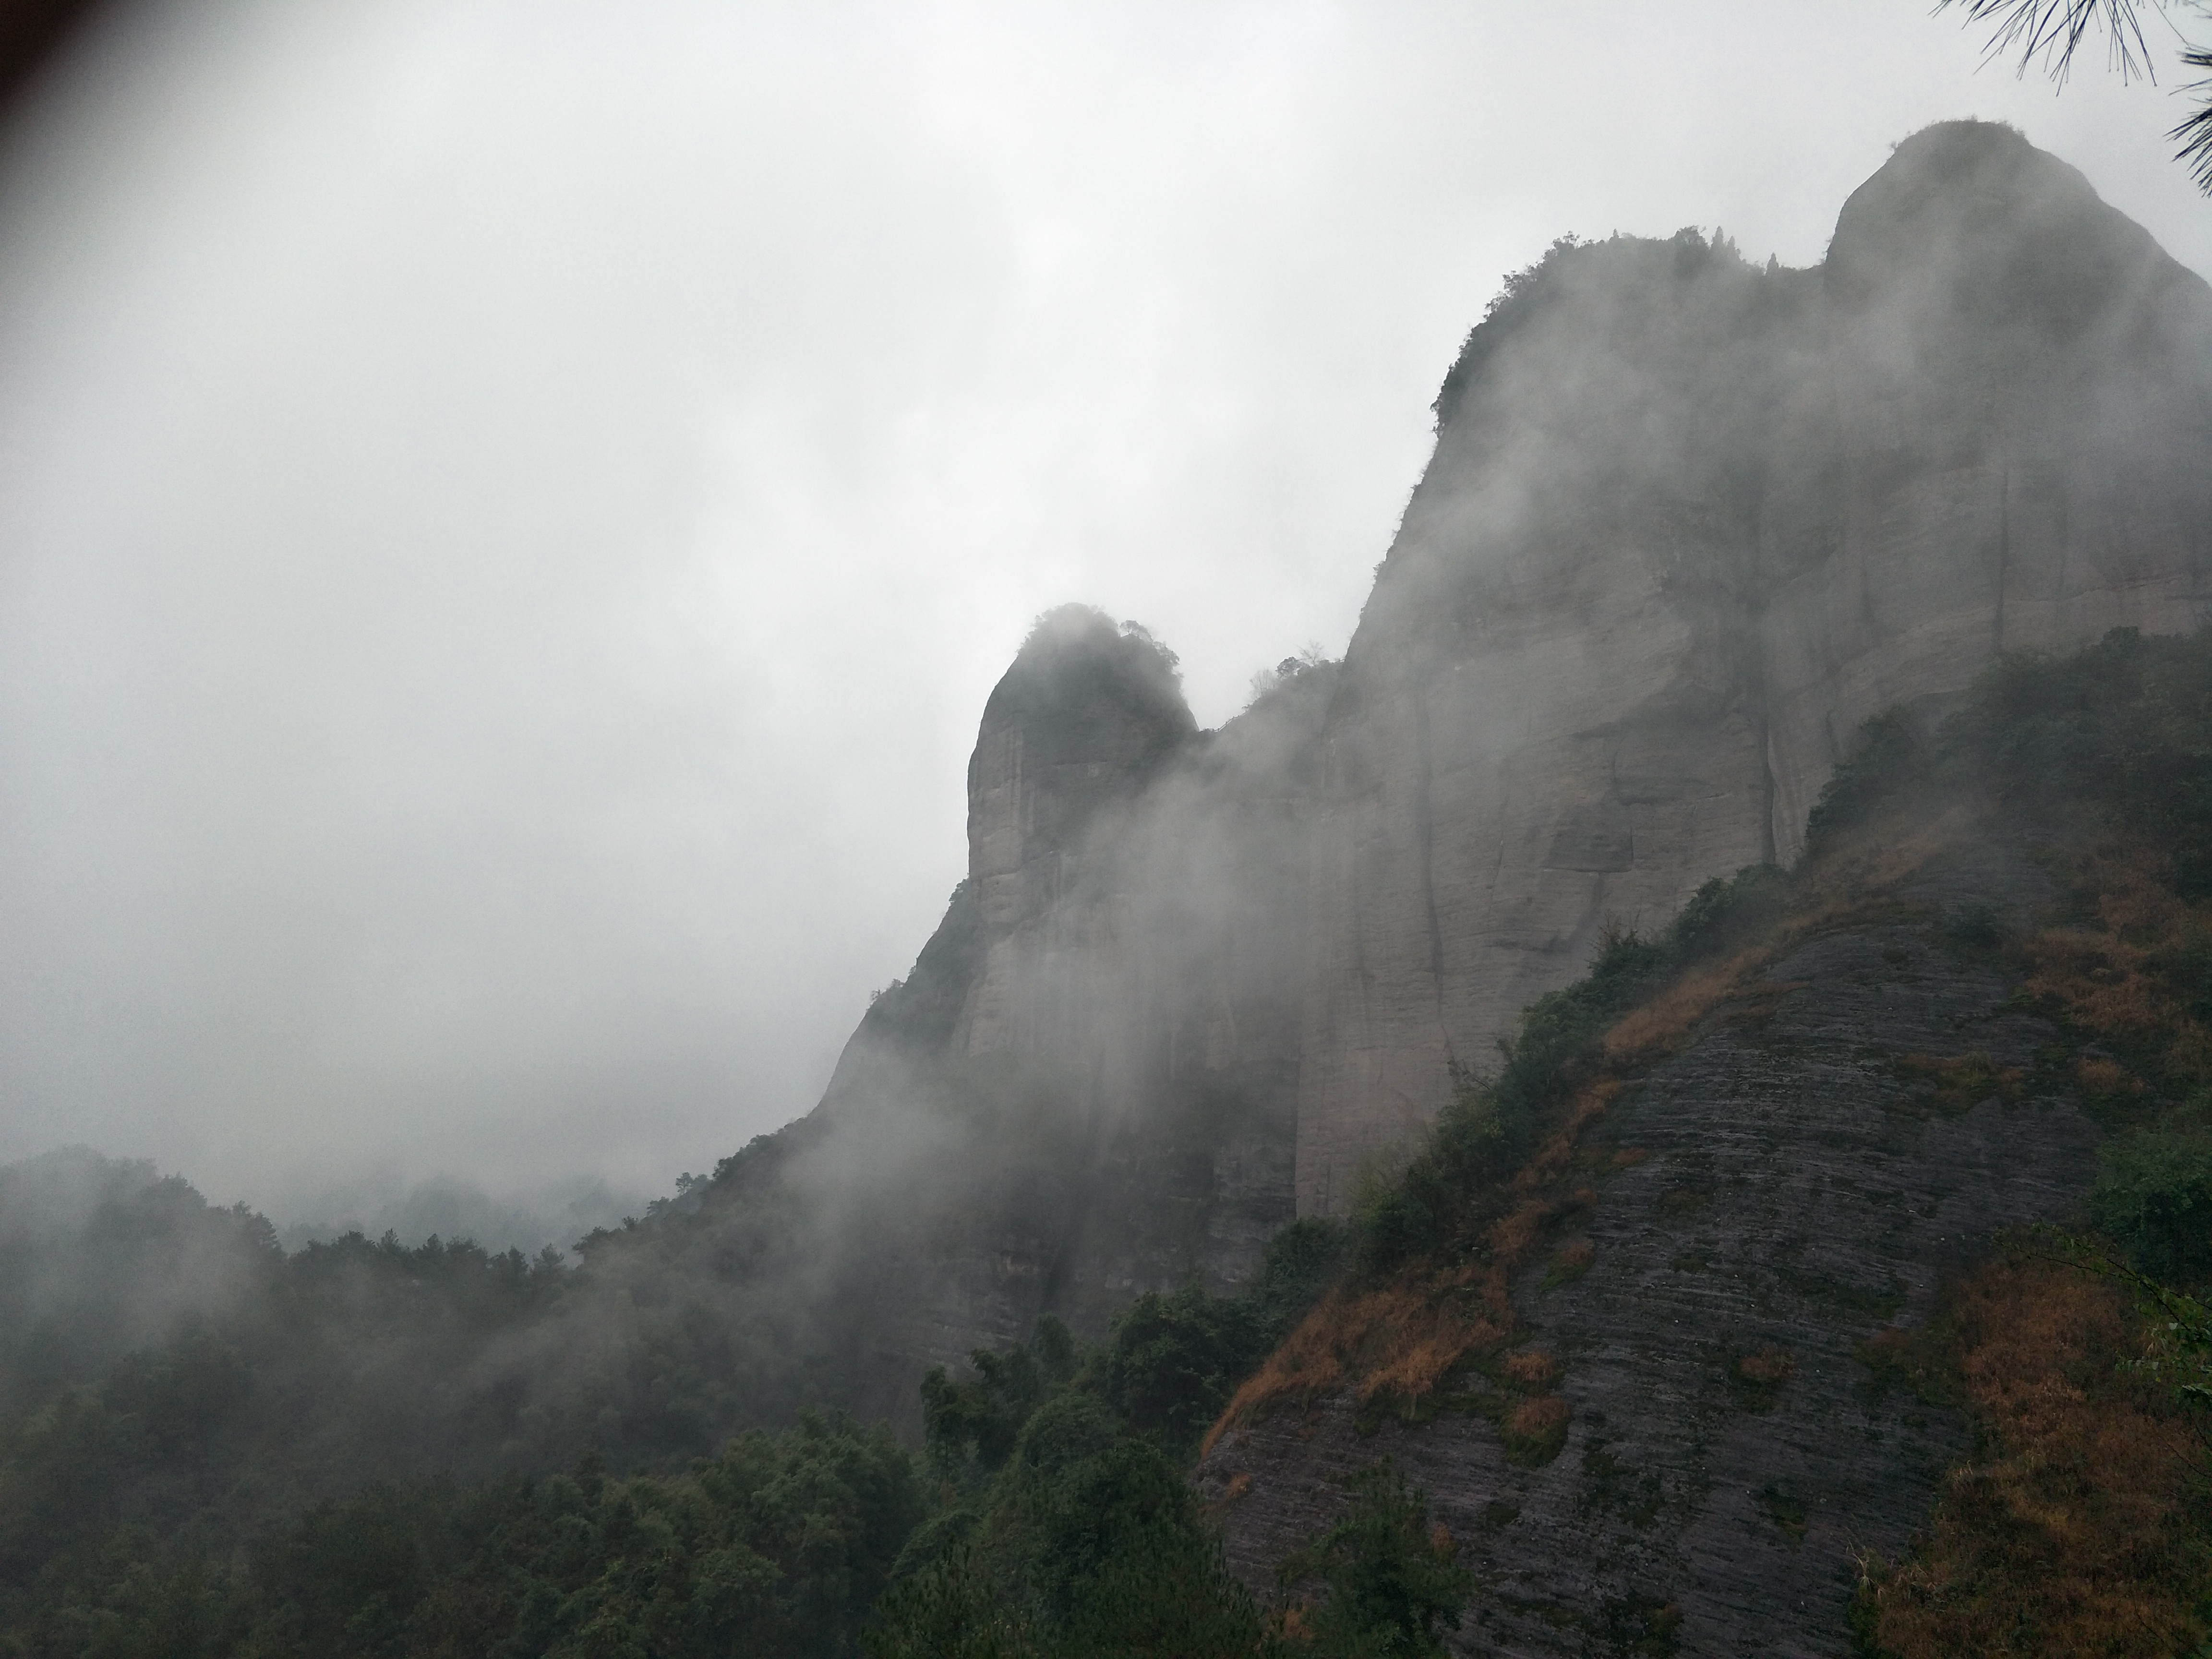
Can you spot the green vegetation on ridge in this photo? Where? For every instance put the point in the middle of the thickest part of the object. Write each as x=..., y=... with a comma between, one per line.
x=1493, y=1121
x=1049, y=1515
x=241, y=1473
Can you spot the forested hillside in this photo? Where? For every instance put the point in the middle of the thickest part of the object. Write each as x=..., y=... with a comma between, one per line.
x=209, y=1446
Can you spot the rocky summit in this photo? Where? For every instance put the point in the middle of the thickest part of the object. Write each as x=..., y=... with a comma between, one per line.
x=1690, y=520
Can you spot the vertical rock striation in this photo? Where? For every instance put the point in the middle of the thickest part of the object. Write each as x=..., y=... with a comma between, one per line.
x=1096, y=1052
x=1687, y=524
x=1083, y=720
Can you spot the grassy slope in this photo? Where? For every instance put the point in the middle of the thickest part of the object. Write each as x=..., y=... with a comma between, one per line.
x=2078, y=1527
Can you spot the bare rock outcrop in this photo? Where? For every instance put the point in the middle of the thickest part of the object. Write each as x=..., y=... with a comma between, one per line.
x=1688, y=523
x=1089, y=1084
x=1078, y=725
x=1797, y=1193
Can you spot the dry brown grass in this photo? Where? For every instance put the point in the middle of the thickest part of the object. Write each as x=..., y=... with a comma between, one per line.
x=1400, y=1339
x=2104, y=974
x=1238, y=1489
x=1572, y=1259
x=1535, y=1422
x=1517, y=1234
x=1307, y=1364
x=2106, y=1079
x=2074, y=1535
x=1962, y=1082
x=1863, y=866
x=1531, y=1368
x=1661, y=1025
x=1418, y=1356
x=1836, y=889
x=1558, y=1151
x=2098, y=978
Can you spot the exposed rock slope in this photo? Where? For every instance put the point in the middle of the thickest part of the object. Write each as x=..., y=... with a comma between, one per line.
x=1800, y=1186
x=1688, y=522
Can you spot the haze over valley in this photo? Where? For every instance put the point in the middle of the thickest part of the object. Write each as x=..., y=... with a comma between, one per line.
x=885, y=831
x=497, y=606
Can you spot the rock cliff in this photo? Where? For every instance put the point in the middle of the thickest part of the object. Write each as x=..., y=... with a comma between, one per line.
x=1688, y=522
x=1789, y=1188
x=1124, y=962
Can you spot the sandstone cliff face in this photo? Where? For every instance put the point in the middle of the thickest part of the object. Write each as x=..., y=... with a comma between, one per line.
x=1688, y=523
x=1097, y=1049
x=1081, y=723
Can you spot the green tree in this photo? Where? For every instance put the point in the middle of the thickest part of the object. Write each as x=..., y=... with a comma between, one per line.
x=1393, y=1588
x=2153, y=1198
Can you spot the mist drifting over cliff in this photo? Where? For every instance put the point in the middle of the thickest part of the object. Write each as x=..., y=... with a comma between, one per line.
x=497, y=605
x=502, y=606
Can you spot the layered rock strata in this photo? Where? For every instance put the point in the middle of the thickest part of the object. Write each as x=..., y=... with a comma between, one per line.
x=1800, y=1191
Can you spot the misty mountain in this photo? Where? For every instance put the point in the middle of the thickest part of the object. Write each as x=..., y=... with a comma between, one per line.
x=1676, y=1320
x=1688, y=524
x=1360, y=959
x=450, y=1207
x=1729, y=1317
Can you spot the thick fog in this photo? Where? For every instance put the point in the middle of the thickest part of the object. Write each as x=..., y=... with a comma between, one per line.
x=509, y=514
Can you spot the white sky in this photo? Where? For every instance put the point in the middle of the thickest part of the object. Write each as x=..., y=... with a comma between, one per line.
x=509, y=512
